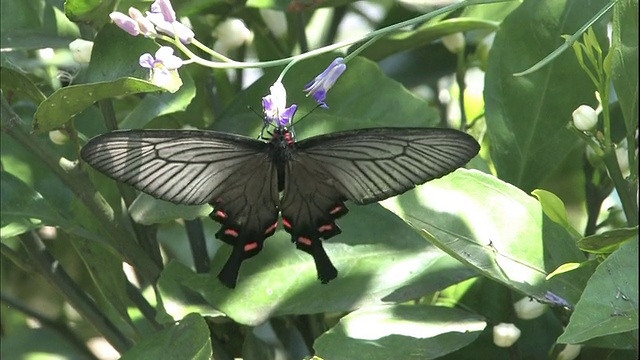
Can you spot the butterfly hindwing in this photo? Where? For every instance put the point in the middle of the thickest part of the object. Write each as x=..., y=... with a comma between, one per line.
x=231, y=172
x=363, y=166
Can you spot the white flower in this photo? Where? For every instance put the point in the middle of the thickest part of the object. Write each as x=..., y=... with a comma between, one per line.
x=505, y=335
x=276, y=21
x=231, y=34
x=527, y=309
x=163, y=68
x=454, y=42
x=570, y=352
x=81, y=50
x=585, y=118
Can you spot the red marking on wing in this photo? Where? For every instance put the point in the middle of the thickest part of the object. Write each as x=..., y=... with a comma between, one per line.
x=250, y=246
x=271, y=228
x=305, y=240
x=326, y=227
x=231, y=232
x=335, y=210
x=286, y=223
x=221, y=214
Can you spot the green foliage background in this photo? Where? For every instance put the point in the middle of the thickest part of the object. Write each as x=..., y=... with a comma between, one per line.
x=424, y=275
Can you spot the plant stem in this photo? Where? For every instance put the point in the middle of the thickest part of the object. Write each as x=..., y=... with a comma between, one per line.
x=53, y=272
x=79, y=183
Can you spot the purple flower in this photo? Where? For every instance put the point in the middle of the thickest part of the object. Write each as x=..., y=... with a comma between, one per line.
x=163, y=68
x=164, y=18
x=274, y=106
x=161, y=18
x=322, y=83
x=125, y=23
x=165, y=8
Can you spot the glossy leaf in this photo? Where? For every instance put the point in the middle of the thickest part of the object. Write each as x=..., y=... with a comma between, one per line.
x=187, y=339
x=378, y=257
x=608, y=241
x=400, y=332
x=500, y=231
x=527, y=115
x=609, y=304
x=554, y=208
x=625, y=60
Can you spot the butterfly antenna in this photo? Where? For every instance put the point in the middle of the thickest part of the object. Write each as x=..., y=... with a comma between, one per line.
x=307, y=114
x=264, y=121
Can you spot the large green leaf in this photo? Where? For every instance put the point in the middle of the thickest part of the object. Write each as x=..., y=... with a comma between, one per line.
x=399, y=332
x=23, y=208
x=379, y=258
x=499, y=230
x=527, y=116
x=424, y=35
x=625, y=60
x=187, y=339
x=609, y=304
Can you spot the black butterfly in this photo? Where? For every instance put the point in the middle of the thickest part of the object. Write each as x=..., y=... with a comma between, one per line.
x=242, y=178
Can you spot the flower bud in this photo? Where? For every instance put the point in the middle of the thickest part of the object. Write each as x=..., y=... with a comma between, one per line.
x=585, y=118
x=454, y=42
x=58, y=137
x=505, y=335
x=526, y=309
x=276, y=21
x=81, y=50
x=570, y=352
x=231, y=34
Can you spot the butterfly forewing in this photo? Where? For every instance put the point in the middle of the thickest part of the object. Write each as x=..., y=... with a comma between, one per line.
x=370, y=165
x=234, y=174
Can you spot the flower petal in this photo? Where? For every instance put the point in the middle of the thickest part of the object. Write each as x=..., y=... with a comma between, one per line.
x=147, y=61
x=125, y=23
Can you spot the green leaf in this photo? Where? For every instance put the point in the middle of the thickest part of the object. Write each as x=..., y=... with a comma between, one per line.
x=625, y=60
x=554, y=208
x=67, y=102
x=156, y=105
x=379, y=259
x=424, y=35
x=609, y=304
x=17, y=86
x=496, y=229
x=105, y=268
x=23, y=208
x=94, y=12
x=608, y=241
x=527, y=115
x=400, y=332
x=188, y=339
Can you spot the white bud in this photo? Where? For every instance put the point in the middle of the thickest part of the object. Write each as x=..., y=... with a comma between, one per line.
x=505, y=335
x=454, y=42
x=81, y=50
x=276, y=21
x=569, y=352
x=623, y=158
x=526, y=309
x=231, y=34
x=584, y=118
x=58, y=137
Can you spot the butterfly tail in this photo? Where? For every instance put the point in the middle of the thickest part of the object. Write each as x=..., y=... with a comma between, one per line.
x=325, y=269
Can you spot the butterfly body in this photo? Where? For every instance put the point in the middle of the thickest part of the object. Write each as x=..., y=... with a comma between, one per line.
x=252, y=183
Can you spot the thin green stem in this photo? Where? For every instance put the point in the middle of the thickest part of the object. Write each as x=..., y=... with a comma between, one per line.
x=231, y=64
x=78, y=182
x=53, y=272
x=57, y=326
x=626, y=190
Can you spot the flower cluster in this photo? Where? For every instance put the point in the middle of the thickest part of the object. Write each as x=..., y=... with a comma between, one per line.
x=161, y=19
x=274, y=104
